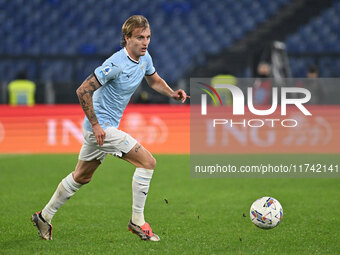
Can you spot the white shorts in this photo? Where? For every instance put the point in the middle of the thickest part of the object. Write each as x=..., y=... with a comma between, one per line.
x=116, y=143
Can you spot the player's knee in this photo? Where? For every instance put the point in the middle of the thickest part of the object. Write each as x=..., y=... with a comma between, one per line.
x=150, y=163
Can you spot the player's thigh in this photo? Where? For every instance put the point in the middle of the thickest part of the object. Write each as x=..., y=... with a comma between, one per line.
x=84, y=170
x=140, y=157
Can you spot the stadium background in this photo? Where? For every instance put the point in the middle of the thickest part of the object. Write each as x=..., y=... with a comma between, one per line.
x=59, y=43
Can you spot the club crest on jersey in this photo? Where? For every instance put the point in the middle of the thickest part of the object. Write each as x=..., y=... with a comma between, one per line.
x=106, y=70
x=143, y=66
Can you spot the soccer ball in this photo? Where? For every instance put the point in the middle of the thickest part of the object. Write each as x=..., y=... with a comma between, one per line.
x=266, y=212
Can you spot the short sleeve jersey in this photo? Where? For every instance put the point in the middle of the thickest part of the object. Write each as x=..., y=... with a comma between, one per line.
x=119, y=76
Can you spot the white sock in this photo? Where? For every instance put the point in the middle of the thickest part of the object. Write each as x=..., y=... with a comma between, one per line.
x=140, y=188
x=66, y=189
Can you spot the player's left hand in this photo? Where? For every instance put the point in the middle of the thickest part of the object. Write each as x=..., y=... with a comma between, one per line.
x=180, y=95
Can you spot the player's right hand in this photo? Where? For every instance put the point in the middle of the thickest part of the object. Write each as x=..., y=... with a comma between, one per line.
x=99, y=134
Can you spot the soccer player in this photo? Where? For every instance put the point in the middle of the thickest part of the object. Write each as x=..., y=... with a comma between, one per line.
x=104, y=96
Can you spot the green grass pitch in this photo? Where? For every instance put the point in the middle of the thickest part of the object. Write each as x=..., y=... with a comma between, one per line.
x=192, y=216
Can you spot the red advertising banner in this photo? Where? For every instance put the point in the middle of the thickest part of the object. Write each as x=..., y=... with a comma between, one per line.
x=166, y=129
x=221, y=132
x=58, y=129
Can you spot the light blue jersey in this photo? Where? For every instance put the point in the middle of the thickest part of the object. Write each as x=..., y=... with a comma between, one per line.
x=119, y=76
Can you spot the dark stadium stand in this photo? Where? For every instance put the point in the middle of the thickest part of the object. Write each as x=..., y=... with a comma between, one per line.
x=320, y=35
x=62, y=41
x=183, y=31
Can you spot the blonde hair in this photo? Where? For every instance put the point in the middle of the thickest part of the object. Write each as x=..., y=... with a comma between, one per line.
x=135, y=21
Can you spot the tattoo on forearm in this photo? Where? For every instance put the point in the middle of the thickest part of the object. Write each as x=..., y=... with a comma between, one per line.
x=85, y=93
x=89, y=77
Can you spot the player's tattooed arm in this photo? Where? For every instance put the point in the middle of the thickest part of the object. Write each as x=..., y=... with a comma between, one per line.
x=85, y=93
